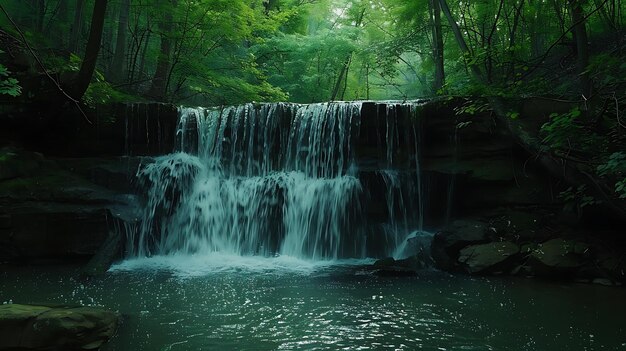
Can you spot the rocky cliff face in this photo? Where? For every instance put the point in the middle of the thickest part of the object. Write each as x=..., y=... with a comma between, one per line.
x=60, y=208
x=495, y=209
x=507, y=215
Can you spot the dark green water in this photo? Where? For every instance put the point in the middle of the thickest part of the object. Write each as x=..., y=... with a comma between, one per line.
x=294, y=307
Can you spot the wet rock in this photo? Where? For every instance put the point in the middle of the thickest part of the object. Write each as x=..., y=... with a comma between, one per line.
x=611, y=265
x=395, y=272
x=459, y=234
x=605, y=282
x=385, y=262
x=390, y=267
x=558, y=257
x=488, y=258
x=56, y=230
x=16, y=163
x=50, y=212
x=27, y=327
x=110, y=250
x=113, y=173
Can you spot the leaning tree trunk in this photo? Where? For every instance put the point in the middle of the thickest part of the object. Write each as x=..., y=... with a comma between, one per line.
x=342, y=80
x=525, y=136
x=81, y=83
x=458, y=36
x=582, y=46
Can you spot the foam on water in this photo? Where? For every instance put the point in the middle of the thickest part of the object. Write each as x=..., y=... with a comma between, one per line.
x=276, y=179
x=250, y=187
x=185, y=266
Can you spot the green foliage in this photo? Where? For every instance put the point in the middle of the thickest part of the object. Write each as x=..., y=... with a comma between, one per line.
x=232, y=51
x=473, y=107
x=615, y=168
x=607, y=70
x=8, y=85
x=615, y=165
x=620, y=188
x=559, y=132
x=575, y=199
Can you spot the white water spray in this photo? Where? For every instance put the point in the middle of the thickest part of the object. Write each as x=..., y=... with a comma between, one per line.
x=255, y=187
x=275, y=180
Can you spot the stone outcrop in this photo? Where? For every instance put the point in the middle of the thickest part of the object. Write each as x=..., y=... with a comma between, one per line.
x=27, y=327
x=51, y=210
x=447, y=243
x=474, y=177
x=521, y=248
x=493, y=258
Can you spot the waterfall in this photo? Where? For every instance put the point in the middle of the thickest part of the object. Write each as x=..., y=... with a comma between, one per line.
x=273, y=179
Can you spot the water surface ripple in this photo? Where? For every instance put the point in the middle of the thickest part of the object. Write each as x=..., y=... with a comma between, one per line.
x=328, y=307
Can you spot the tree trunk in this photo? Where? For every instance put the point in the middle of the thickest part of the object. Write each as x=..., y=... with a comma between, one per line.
x=343, y=74
x=119, y=59
x=158, y=88
x=525, y=136
x=459, y=38
x=63, y=19
x=142, y=61
x=77, y=26
x=437, y=46
x=81, y=83
x=41, y=14
x=582, y=46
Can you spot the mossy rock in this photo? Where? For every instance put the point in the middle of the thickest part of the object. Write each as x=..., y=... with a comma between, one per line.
x=16, y=163
x=27, y=327
x=488, y=258
x=558, y=257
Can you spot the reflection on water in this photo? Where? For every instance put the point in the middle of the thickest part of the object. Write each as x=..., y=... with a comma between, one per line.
x=287, y=304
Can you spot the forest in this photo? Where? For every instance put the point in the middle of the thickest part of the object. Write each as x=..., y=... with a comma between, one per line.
x=229, y=52
x=312, y=174
x=218, y=52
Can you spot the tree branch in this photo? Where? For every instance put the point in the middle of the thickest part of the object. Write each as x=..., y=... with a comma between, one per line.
x=32, y=52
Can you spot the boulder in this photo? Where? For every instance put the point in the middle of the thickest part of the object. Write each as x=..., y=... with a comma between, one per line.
x=390, y=267
x=448, y=242
x=558, y=256
x=488, y=258
x=612, y=265
x=27, y=327
x=17, y=163
x=110, y=250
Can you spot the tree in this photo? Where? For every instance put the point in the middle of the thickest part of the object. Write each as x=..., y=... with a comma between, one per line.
x=77, y=26
x=79, y=86
x=440, y=77
x=119, y=60
x=460, y=40
x=158, y=88
x=582, y=45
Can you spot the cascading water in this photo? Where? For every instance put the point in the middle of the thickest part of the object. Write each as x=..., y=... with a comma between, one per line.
x=402, y=224
x=255, y=187
x=268, y=179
